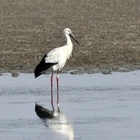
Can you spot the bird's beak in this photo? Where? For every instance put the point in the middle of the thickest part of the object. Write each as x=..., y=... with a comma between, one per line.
x=73, y=37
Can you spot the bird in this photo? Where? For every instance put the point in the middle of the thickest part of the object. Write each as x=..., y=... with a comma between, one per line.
x=56, y=60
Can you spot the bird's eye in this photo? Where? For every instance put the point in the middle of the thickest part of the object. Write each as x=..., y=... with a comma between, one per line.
x=69, y=31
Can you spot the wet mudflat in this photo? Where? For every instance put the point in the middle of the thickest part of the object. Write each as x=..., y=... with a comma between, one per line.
x=94, y=106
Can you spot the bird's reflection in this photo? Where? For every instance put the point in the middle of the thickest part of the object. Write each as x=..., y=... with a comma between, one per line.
x=56, y=121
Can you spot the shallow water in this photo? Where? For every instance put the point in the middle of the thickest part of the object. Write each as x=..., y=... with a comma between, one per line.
x=94, y=106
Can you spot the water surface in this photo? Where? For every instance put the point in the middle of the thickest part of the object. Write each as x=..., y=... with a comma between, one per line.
x=94, y=106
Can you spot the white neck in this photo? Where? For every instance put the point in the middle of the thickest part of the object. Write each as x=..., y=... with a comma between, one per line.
x=68, y=47
x=68, y=40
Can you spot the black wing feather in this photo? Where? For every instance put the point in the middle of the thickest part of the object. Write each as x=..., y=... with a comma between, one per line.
x=42, y=66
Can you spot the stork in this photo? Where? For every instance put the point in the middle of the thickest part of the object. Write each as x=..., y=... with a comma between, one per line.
x=56, y=59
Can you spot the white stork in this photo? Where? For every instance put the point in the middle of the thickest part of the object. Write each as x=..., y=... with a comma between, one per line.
x=56, y=60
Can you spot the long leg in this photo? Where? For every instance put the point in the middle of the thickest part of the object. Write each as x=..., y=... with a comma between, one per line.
x=57, y=80
x=52, y=91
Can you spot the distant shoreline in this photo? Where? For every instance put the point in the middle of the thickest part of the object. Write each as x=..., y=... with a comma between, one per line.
x=82, y=70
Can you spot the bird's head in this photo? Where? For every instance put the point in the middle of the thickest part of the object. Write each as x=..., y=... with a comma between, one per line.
x=67, y=31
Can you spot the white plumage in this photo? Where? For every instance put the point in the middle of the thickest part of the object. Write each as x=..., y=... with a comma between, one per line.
x=56, y=60
x=57, y=57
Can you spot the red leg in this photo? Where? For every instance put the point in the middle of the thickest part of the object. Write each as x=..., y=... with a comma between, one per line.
x=52, y=91
x=57, y=80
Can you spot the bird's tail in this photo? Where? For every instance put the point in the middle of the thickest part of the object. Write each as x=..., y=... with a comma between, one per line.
x=41, y=67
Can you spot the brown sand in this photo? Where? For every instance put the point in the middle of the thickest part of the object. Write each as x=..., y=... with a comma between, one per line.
x=108, y=30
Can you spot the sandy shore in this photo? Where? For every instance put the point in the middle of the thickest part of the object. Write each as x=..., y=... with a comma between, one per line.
x=108, y=32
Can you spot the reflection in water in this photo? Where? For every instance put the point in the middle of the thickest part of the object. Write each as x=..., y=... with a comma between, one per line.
x=61, y=125
x=56, y=121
